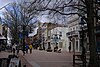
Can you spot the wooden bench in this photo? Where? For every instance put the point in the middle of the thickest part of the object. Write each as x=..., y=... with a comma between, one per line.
x=78, y=58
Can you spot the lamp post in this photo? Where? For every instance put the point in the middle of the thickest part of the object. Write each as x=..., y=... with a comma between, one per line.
x=82, y=33
x=23, y=37
x=23, y=33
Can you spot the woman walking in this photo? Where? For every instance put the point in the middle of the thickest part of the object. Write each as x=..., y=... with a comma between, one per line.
x=30, y=47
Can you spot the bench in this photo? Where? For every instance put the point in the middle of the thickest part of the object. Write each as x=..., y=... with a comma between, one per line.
x=78, y=58
x=49, y=50
x=4, y=62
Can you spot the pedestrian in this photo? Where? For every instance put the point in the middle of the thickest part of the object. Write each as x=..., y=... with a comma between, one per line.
x=14, y=49
x=18, y=47
x=23, y=49
x=30, y=47
x=69, y=48
x=26, y=47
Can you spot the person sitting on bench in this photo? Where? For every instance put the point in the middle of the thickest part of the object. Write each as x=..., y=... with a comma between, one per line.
x=55, y=48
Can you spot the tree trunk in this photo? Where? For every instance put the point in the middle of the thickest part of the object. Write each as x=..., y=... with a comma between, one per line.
x=91, y=33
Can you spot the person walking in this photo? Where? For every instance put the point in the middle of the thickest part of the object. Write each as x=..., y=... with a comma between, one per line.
x=26, y=47
x=18, y=49
x=14, y=49
x=23, y=49
x=69, y=48
x=30, y=47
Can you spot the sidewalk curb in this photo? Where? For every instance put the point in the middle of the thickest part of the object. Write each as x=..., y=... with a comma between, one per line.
x=24, y=61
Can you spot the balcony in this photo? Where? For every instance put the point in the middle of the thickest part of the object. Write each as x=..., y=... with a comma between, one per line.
x=72, y=33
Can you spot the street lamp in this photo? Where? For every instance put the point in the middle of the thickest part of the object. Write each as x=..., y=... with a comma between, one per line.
x=82, y=33
x=23, y=33
x=43, y=39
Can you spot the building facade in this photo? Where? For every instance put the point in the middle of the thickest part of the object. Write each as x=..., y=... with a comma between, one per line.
x=74, y=34
x=55, y=34
x=59, y=38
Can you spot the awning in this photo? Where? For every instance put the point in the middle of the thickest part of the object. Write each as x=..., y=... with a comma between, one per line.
x=3, y=38
x=33, y=33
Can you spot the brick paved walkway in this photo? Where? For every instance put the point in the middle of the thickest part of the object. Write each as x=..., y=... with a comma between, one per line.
x=23, y=60
x=49, y=59
x=44, y=59
x=4, y=54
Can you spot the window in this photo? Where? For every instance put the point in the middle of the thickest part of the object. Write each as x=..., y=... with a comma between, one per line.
x=76, y=27
x=70, y=29
x=60, y=34
x=60, y=44
x=73, y=29
x=76, y=45
x=48, y=37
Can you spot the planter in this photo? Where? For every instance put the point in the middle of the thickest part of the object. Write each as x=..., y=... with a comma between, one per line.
x=49, y=50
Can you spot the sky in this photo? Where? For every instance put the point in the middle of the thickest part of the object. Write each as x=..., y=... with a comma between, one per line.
x=3, y=3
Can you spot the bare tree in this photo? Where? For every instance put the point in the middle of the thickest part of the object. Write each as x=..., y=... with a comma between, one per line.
x=17, y=18
x=70, y=7
x=11, y=19
x=61, y=8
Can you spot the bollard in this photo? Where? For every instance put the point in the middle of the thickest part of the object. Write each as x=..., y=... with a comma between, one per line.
x=16, y=66
x=73, y=60
x=24, y=65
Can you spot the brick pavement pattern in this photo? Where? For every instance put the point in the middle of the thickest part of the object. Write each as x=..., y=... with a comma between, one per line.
x=50, y=59
x=44, y=59
x=4, y=54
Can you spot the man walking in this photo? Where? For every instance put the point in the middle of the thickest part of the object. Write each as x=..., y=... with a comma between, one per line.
x=69, y=47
